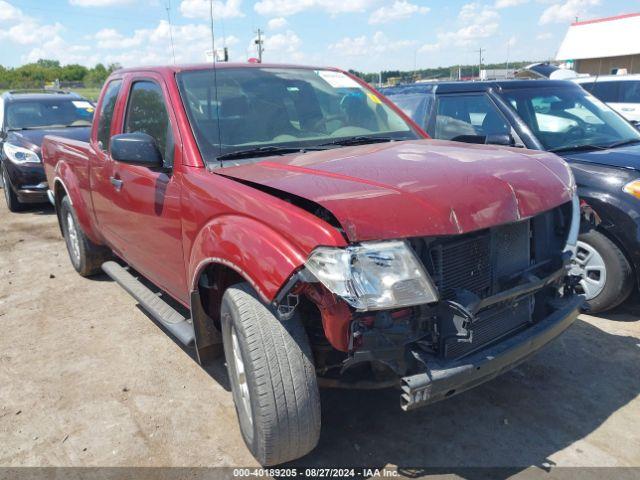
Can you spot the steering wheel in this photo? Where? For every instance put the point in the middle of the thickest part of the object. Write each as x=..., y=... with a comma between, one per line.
x=575, y=132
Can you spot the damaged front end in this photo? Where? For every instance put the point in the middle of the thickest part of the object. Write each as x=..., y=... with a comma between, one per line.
x=438, y=315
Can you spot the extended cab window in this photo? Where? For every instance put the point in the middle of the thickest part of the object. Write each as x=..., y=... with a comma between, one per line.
x=469, y=118
x=147, y=113
x=105, y=115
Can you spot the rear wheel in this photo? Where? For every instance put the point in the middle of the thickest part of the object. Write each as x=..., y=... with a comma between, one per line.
x=272, y=378
x=13, y=204
x=86, y=257
x=607, y=276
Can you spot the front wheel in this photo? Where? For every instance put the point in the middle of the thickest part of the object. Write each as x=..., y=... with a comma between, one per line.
x=272, y=378
x=13, y=204
x=606, y=274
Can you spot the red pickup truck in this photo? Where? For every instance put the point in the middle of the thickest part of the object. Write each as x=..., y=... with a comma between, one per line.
x=307, y=226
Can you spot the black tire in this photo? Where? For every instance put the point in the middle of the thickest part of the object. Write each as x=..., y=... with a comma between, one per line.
x=13, y=204
x=619, y=280
x=284, y=418
x=89, y=257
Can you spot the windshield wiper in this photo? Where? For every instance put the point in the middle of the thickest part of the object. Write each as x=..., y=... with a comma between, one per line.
x=360, y=140
x=260, y=152
x=622, y=143
x=577, y=148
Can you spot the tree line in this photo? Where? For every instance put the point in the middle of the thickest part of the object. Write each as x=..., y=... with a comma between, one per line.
x=43, y=72
x=442, y=73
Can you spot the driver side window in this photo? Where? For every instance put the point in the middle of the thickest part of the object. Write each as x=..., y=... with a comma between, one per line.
x=468, y=118
x=147, y=113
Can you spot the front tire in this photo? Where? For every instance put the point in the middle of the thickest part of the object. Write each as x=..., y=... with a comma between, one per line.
x=607, y=276
x=86, y=257
x=272, y=378
x=13, y=204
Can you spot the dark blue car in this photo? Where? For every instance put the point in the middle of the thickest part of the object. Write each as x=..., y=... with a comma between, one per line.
x=602, y=148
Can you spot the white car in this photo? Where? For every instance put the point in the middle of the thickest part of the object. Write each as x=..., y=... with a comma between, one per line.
x=621, y=92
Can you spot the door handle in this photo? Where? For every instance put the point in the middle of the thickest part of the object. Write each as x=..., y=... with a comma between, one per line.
x=117, y=183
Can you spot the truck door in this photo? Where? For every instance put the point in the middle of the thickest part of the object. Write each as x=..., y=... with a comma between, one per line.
x=144, y=214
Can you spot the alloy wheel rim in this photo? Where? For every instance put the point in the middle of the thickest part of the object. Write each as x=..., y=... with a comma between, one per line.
x=241, y=377
x=590, y=266
x=74, y=242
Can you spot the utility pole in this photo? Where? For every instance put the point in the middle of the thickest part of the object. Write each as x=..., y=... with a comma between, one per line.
x=259, y=45
x=480, y=62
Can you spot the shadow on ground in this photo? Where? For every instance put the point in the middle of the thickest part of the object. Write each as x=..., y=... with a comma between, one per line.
x=517, y=420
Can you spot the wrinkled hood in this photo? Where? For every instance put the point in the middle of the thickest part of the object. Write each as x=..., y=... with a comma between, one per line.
x=417, y=188
x=626, y=157
x=32, y=139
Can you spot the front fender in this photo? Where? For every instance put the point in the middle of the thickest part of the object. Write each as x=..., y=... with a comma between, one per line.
x=254, y=250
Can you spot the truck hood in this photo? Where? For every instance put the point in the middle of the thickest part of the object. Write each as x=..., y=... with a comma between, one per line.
x=625, y=157
x=417, y=188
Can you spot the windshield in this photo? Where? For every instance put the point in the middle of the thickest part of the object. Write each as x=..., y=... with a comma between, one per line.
x=60, y=113
x=568, y=118
x=274, y=107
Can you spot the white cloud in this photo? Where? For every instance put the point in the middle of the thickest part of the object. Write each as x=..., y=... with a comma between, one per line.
x=9, y=12
x=475, y=22
x=221, y=9
x=544, y=36
x=18, y=28
x=509, y=3
x=277, y=23
x=99, y=3
x=141, y=47
x=279, y=47
x=567, y=11
x=284, y=8
x=399, y=10
x=379, y=43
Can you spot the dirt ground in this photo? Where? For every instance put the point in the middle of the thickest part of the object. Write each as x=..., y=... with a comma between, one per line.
x=86, y=379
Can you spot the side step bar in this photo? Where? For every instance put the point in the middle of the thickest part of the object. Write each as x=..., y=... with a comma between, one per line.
x=152, y=303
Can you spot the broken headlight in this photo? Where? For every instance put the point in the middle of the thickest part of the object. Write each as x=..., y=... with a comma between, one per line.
x=373, y=276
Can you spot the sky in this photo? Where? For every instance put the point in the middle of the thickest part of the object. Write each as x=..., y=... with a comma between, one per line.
x=366, y=35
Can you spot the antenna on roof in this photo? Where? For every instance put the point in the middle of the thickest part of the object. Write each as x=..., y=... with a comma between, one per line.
x=215, y=76
x=173, y=47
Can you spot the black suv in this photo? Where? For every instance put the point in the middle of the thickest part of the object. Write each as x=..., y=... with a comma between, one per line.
x=602, y=148
x=25, y=118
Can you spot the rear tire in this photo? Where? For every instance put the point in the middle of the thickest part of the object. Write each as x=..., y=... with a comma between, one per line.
x=13, y=204
x=272, y=378
x=86, y=257
x=607, y=276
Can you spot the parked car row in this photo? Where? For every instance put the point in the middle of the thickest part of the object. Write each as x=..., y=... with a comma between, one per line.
x=311, y=233
x=620, y=92
x=560, y=117
x=25, y=118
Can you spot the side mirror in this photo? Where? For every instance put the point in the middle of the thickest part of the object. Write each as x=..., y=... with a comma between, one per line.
x=136, y=149
x=636, y=124
x=504, y=139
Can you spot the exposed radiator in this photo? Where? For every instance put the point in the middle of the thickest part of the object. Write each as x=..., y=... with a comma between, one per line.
x=483, y=263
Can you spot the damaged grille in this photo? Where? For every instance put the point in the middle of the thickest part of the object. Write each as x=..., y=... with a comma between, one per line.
x=482, y=264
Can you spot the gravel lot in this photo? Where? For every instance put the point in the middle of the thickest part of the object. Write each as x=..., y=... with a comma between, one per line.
x=86, y=379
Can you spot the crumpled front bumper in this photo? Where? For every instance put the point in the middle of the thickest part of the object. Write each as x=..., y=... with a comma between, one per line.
x=445, y=379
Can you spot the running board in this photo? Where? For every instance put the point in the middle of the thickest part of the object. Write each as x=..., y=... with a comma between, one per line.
x=173, y=321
